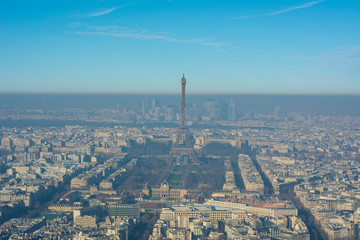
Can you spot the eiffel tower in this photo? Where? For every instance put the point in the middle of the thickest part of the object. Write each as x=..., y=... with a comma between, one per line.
x=183, y=144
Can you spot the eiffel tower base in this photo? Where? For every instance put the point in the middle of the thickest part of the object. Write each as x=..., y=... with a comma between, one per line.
x=175, y=151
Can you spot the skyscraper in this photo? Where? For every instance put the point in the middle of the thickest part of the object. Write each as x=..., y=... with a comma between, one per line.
x=232, y=111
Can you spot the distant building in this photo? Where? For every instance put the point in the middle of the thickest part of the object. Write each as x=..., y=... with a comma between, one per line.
x=232, y=111
x=123, y=210
x=65, y=207
x=262, y=209
x=201, y=210
x=209, y=106
x=86, y=221
x=165, y=191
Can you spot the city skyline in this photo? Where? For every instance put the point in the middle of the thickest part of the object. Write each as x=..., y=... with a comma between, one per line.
x=231, y=47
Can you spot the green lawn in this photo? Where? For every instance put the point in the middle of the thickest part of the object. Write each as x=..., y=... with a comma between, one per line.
x=179, y=168
x=174, y=177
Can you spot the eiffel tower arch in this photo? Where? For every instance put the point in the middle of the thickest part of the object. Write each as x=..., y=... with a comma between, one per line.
x=183, y=144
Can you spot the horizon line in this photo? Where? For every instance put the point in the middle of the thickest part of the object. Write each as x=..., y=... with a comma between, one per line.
x=188, y=93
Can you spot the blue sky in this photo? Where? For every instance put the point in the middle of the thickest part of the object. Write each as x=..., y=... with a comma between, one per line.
x=239, y=46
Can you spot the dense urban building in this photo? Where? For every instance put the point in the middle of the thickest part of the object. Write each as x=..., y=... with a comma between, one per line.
x=252, y=173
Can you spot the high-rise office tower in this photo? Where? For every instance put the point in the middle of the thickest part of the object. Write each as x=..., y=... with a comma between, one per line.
x=209, y=106
x=276, y=112
x=232, y=111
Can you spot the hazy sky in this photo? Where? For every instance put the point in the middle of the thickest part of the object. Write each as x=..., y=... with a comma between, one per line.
x=240, y=46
